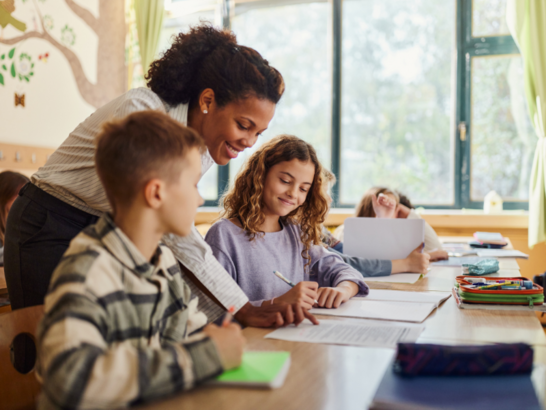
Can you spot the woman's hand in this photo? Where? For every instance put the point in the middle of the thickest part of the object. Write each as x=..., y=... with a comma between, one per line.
x=334, y=297
x=303, y=294
x=383, y=206
x=438, y=255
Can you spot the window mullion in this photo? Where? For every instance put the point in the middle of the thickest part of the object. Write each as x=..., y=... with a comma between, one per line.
x=337, y=16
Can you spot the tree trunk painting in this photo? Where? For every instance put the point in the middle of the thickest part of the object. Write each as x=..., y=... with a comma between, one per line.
x=109, y=26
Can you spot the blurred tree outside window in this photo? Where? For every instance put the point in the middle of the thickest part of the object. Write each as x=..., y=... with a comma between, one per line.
x=412, y=73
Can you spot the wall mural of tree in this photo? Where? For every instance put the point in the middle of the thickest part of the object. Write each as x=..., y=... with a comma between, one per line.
x=16, y=64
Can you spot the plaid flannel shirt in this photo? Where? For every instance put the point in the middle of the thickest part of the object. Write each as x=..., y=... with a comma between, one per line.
x=115, y=330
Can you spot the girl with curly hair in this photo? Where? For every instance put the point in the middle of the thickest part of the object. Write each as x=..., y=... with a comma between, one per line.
x=206, y=80
x=272, y=221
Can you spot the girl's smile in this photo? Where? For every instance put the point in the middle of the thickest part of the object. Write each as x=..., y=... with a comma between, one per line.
x=286, y=187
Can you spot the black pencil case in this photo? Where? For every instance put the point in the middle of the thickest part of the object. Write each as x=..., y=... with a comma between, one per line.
x=415, y=359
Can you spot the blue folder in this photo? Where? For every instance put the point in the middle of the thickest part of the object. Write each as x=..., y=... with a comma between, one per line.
x=506, y=392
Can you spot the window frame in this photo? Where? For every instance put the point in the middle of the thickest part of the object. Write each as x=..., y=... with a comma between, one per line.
x=467, y=47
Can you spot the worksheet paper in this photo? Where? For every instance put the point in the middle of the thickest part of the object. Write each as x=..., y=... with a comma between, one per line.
x=501, y=253
x=364, y=333
x=397, y=278
x=453, y=261
x=400, y=296
x=380, y=309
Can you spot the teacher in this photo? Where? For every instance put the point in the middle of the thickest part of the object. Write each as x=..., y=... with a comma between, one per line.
x=226, y=92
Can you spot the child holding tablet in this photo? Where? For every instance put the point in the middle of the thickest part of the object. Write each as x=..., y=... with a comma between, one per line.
x=272, y=221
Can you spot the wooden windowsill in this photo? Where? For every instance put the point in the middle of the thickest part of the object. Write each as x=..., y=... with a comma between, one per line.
x=437, y=218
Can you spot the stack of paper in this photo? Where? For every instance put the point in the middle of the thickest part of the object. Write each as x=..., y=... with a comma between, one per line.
x=363, y=333
x=501, y=253
x=397, y=278
x=389, y=305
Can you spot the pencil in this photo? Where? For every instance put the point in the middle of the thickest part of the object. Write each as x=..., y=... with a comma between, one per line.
x=228, y=317
x=281, y=276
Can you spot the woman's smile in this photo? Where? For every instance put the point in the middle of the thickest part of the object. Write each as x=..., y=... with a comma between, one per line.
x=232, y=151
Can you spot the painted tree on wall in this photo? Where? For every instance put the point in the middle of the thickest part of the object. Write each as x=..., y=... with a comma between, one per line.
x=109, y=27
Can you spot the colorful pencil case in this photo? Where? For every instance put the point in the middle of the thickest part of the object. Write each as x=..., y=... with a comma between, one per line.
x=534, y=296
x=415, y=359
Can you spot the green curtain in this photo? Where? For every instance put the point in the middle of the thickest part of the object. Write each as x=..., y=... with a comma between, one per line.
x=149, y=19
x=527, y=22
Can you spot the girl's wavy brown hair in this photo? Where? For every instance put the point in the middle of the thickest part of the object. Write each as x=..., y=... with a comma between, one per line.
x=245, y=199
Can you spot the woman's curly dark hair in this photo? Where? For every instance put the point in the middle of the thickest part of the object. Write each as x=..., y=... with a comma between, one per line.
x=245, y=198
x=206, y=57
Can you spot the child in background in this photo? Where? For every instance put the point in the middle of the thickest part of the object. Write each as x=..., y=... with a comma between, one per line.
x=417, y=261
x=10, y=185
x=272, y=221
x=381, y=202
x=118, y=315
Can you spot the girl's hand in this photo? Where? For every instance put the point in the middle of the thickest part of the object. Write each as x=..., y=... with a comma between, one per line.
x=303, y=294
x=334, y=297
x=438, y=255
x=383, y=206
x=417, y=261
x=402, y=211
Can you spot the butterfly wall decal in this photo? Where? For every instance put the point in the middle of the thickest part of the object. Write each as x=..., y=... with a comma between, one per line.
x=19, y=99
x=43, y=57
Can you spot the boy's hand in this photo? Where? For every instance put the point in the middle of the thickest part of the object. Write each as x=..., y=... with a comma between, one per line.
x=334, y=297
x=303, y=294
x=417, y=261
x=229, y=342
x=383, y=206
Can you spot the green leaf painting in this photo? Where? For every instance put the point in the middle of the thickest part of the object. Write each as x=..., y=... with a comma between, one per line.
x=1, y=79
x=13, y=70
x=11, y=52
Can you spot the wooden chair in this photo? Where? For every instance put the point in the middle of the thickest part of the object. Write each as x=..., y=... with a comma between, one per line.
x=17, y=390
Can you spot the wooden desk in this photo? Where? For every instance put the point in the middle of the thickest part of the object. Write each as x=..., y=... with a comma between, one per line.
x=345, y=377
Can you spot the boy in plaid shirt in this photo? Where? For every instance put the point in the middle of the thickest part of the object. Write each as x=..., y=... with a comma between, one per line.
x=118, y=317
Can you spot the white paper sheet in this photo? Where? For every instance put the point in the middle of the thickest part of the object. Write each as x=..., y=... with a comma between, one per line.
x=378, y=309
x=382, y=238
x=396, y=278
x=501, y=253
x=364, y=333
x=453, y=261
x=400, y=296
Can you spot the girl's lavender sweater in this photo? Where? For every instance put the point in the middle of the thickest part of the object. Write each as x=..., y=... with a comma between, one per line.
x=252, y=263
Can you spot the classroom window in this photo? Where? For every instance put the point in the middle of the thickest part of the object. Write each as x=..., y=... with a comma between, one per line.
x=384, y=89
x=503, y=139
x=397, y=98
x=180, y=16
x=295, y=40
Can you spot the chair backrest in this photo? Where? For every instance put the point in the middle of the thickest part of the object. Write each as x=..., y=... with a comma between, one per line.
x=17, y=390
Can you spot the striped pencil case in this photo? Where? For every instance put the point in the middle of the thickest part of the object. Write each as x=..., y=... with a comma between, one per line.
x=471, y=291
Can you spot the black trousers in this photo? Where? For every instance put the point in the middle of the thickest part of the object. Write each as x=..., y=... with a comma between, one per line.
x=38, y=231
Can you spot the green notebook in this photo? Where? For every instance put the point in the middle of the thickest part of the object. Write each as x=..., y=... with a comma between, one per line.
x=258, y=369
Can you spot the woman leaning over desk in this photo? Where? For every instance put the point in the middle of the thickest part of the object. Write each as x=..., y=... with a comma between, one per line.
x=227, y=92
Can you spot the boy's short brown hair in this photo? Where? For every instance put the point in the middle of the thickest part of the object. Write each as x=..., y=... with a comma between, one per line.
x=142, y=146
